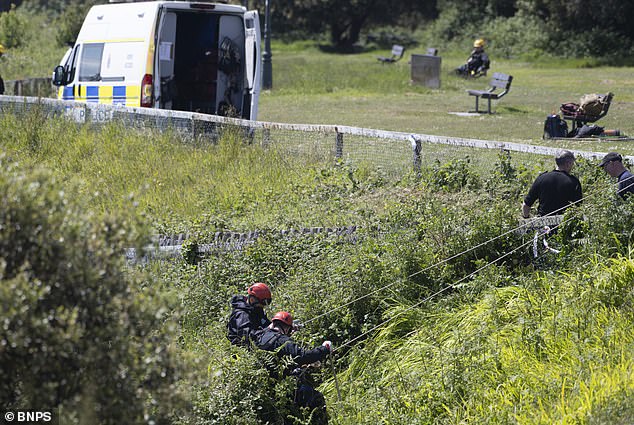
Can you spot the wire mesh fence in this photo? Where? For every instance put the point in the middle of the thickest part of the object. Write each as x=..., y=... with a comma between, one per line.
x=392, y=154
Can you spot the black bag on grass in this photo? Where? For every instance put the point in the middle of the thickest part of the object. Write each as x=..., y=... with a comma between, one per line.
x=554, y=126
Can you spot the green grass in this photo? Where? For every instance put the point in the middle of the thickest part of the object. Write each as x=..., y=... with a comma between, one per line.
x=524, y=341
x=310, y=86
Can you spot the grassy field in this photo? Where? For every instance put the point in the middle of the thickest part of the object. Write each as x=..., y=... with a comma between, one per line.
x=441, y=312
x=310, y=86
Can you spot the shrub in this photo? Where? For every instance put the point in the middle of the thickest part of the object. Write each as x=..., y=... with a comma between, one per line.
x=13, y=28
x=79, y=331
x=453, y=176
x=70, y=21
x=518, y=36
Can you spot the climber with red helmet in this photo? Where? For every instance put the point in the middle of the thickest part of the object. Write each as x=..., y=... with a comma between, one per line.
x=277, y=335
x=247, y=315
x=276, y=338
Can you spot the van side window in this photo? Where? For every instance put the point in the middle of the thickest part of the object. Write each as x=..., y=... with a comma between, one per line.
x=90, y=64
x=71, y=65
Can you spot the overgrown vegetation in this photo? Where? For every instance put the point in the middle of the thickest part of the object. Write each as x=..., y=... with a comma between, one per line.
x=437, y=307
x=439, y=317
x=80, y=333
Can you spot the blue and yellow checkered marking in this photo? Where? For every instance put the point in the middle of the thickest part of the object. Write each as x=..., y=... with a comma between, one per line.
x=114, y=95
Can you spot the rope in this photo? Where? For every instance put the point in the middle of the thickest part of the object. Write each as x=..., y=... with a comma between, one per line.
x=455, y=284
x=526, y=224
x=451, y=286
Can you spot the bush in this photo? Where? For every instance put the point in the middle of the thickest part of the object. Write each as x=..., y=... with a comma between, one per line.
x=518, y=36
x=70, y=21
x=453, y=176
x=13, y=28
x=80, y=333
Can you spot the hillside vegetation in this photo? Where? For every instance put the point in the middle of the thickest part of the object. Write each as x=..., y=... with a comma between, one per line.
x=437, y=308
x=440, y=311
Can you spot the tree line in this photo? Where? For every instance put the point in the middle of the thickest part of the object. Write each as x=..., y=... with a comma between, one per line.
x=572, y=28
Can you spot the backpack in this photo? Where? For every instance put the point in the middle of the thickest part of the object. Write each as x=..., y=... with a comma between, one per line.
x=554, y=126
x=569, y=109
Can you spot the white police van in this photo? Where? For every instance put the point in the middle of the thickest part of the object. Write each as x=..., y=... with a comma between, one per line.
x=179, y=55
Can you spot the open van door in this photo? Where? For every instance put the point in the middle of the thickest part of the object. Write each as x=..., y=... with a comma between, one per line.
x=164, y=80
x=253, y=60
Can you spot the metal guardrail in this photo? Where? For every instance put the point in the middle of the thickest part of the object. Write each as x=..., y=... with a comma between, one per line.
x=172, y=246
x=192, y=122
x=33, y=87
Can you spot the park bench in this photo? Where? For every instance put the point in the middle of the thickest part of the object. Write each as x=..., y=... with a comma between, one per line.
x=498, y=82
x=397, y=54
x=580, y=117
x=432, y=51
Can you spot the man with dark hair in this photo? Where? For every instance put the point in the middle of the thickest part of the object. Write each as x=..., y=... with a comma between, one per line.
x=612, y=164
x=556, y=190
x=247, y=315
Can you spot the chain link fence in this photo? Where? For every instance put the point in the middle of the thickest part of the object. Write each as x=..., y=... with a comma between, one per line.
x=392, y=154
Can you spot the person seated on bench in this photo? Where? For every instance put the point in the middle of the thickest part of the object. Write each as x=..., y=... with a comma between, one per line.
x=478, y=63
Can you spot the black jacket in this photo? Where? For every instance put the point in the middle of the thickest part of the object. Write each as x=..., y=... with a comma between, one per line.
x=273, y=340
x=556, y=191
x=244, y=320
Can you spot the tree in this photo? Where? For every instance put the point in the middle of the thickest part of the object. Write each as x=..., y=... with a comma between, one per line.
x=79, y=331
x=345, y=20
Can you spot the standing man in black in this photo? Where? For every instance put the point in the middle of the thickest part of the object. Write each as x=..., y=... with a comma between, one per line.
x=612, y=163
x=556, y=190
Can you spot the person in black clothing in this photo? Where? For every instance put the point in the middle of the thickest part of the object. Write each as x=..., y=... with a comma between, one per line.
x=612, y=163
x=478, y=62
x=1, y=80
x=276, y=338
x=556, y=190
x=247, y=315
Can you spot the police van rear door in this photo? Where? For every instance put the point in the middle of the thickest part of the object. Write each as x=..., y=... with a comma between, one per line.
x=253, y=60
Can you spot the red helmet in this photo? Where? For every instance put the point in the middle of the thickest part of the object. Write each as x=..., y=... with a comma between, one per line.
x=260, y=291
x=284, y=317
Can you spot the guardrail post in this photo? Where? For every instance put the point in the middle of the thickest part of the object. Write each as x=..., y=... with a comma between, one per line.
x=338, y=145
x=416, y=150
x=193, y=130
x=266, y=137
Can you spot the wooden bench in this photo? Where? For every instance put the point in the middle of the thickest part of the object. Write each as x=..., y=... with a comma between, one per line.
x=432, y=51
x=579, y=119
x=397, y=54
x=499, y=81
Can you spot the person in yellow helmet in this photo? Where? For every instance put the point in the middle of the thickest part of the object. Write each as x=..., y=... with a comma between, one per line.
x=478, y=62
x=2, y=50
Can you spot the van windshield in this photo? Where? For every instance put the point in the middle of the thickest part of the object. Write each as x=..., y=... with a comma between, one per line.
x=90, y=64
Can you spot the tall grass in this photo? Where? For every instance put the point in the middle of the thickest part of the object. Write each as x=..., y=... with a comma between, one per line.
x=522, y=342
x=557, y=349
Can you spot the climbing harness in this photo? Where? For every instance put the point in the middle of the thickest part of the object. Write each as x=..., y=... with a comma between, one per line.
x=543, y=233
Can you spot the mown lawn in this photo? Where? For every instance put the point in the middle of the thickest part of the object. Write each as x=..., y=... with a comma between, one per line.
x=310, y=86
